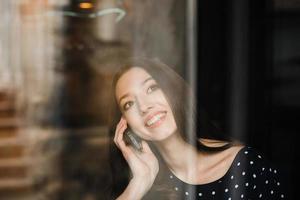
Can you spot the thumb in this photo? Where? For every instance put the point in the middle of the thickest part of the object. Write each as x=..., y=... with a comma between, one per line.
x=146, y=146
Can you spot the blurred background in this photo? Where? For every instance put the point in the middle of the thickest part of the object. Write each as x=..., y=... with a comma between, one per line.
x=57, y=59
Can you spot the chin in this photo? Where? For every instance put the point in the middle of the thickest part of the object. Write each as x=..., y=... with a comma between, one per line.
x=163, y=135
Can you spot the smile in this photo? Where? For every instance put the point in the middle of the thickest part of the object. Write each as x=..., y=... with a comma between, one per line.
x=155, y=120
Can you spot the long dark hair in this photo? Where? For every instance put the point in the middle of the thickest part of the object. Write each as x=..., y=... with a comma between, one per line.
x=178, y=95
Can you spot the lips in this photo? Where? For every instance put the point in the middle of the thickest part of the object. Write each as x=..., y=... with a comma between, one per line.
x=155, y=119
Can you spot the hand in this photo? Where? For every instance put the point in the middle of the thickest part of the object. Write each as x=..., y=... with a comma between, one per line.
x=144, y=165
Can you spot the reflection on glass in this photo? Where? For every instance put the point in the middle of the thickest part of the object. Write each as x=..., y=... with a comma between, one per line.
x=57, y=59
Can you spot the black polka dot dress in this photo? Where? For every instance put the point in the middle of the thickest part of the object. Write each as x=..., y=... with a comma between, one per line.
x=249, y=177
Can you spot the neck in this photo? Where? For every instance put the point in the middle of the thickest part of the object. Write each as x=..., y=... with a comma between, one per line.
x=179, y=156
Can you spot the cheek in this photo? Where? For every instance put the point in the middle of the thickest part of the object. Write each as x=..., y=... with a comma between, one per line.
x=132, y=118
x=162, y=98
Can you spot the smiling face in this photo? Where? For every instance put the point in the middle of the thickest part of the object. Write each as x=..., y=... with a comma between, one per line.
x=144, y=105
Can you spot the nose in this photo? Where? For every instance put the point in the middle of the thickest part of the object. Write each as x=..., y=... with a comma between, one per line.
x=144, y=105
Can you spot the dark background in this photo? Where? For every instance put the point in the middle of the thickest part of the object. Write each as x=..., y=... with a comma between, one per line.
x=249, y=75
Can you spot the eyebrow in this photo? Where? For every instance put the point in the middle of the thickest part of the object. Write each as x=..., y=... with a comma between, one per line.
x=143, y=83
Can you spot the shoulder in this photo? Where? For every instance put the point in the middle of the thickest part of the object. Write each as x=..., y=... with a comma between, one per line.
x=251, y=160
x=252, y=170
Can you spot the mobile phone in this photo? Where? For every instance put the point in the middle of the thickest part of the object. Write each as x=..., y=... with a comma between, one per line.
x=132, y=139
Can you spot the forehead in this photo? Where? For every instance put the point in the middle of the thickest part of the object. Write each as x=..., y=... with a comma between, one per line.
x=133, y=78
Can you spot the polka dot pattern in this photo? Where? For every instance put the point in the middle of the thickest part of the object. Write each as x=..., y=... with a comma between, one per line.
x=249, y=177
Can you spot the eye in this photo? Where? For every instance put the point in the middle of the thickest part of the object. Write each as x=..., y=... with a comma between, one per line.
x=127, y=105
x=152, y=88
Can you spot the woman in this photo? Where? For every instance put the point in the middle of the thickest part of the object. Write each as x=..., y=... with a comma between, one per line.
x=152, y=99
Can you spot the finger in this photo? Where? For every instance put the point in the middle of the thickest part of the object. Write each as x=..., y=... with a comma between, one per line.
x=119, y=136
x=145, y=153
x=120, y=133
x=146, y=147
x=127, y=151
x=119, y=125
x=117, y=128
x=130, y=156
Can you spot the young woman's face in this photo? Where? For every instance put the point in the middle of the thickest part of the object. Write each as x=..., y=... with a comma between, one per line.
x=144, y=106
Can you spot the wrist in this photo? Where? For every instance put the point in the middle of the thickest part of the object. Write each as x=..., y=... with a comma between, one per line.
x=140, y=186
x=136, y=189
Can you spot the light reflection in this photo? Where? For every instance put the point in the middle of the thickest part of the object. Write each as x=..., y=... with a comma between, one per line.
x=57, y=58
x=85, y=5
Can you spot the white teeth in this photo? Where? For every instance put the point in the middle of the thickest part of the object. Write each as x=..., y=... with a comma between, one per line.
x=154, y=119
